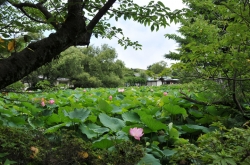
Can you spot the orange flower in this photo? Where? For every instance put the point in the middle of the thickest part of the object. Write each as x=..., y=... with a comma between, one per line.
x=35, y=151
x=83, y=154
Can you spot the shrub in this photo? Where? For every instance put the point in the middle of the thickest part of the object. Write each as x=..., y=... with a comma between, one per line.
x=23, y=146
x=17, y=86
x=44, y=84
x=223, y=146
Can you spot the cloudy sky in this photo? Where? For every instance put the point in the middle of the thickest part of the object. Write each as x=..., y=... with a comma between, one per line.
x=154, y=44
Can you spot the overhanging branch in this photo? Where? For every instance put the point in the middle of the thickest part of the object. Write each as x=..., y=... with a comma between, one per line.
x=100, y=14
x=38, y=6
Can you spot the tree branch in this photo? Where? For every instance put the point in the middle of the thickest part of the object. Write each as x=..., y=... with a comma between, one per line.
x=100, y=14
x=41, y=8
x=72, y=32
x=186, y=97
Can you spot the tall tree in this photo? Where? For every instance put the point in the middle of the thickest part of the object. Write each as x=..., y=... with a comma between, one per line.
x=158, y=69
x=85, y=67
x=214, y=46
x=73, y=23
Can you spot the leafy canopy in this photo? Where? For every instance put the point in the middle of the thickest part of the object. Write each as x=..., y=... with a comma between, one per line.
x=73, y=22
x=19, y=18
x=214, y=45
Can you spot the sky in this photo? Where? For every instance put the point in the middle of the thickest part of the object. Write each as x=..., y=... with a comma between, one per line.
x=154, y=44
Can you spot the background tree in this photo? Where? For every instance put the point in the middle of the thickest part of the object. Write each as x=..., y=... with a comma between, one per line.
x=73, y=23
x=158, y=69
x=85, y=67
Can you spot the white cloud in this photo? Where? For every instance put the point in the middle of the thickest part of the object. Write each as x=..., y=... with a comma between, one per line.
x=154, y=44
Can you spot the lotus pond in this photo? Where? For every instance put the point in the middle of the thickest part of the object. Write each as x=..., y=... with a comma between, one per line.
x=132, y=125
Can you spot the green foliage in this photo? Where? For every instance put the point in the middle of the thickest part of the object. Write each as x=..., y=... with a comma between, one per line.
x=36, y=17
x=86, y=122
x=43, y=84
x=17, y=86
x=154, y=15
x=226, y=146
x=214, y=47
x=86, y=67
x=16, y=145
x=133, y=81
x=123, y=153
x=22, y=146
x=158, y=67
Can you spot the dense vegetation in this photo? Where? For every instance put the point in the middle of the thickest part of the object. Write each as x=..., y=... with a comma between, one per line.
x=204, y=121
x=84, y=67
x=214, y=46
x=93, y=126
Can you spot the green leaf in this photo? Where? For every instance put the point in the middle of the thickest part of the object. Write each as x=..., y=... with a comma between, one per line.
x=3, y=154
x=168, y=152
x=54, y=118
x=55, y=128
x=149, y=159
x=30, y=123
x=51, y=19
x=174, y=133
x=213, y=110
x=175, y=109
x=89, y=133
x=78, y=114
x=152, y=123
x=92, y=118
x=230, y=161
x=31, y=107
x=131, y=116
x=181, y=141
x=17, y=120
x=78, y=96
x=196, y=113
x=161, y=4
x=8, y=162
x=104, y=106
x=103, y=144
x=96, y=128
x=207, y=119
x=152, y=27
x=193, y=128
x=113, y=123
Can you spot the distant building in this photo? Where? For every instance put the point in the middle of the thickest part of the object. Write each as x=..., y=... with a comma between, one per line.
x=59, y=81
x=168, y=80
x=161, y=81
x=64, y=81
x=153, y=82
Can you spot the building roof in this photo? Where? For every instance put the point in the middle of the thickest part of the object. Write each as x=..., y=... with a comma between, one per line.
x=166, y=78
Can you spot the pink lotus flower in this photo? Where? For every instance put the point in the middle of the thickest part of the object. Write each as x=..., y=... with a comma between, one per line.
x=51, y=101
x=84, y=90
x=136, y=132
x=110, y=98
x=120, y=89
x=42, y=103
x=165, y=93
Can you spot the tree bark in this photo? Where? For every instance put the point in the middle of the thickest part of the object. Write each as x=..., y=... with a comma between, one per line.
x=73, y=31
